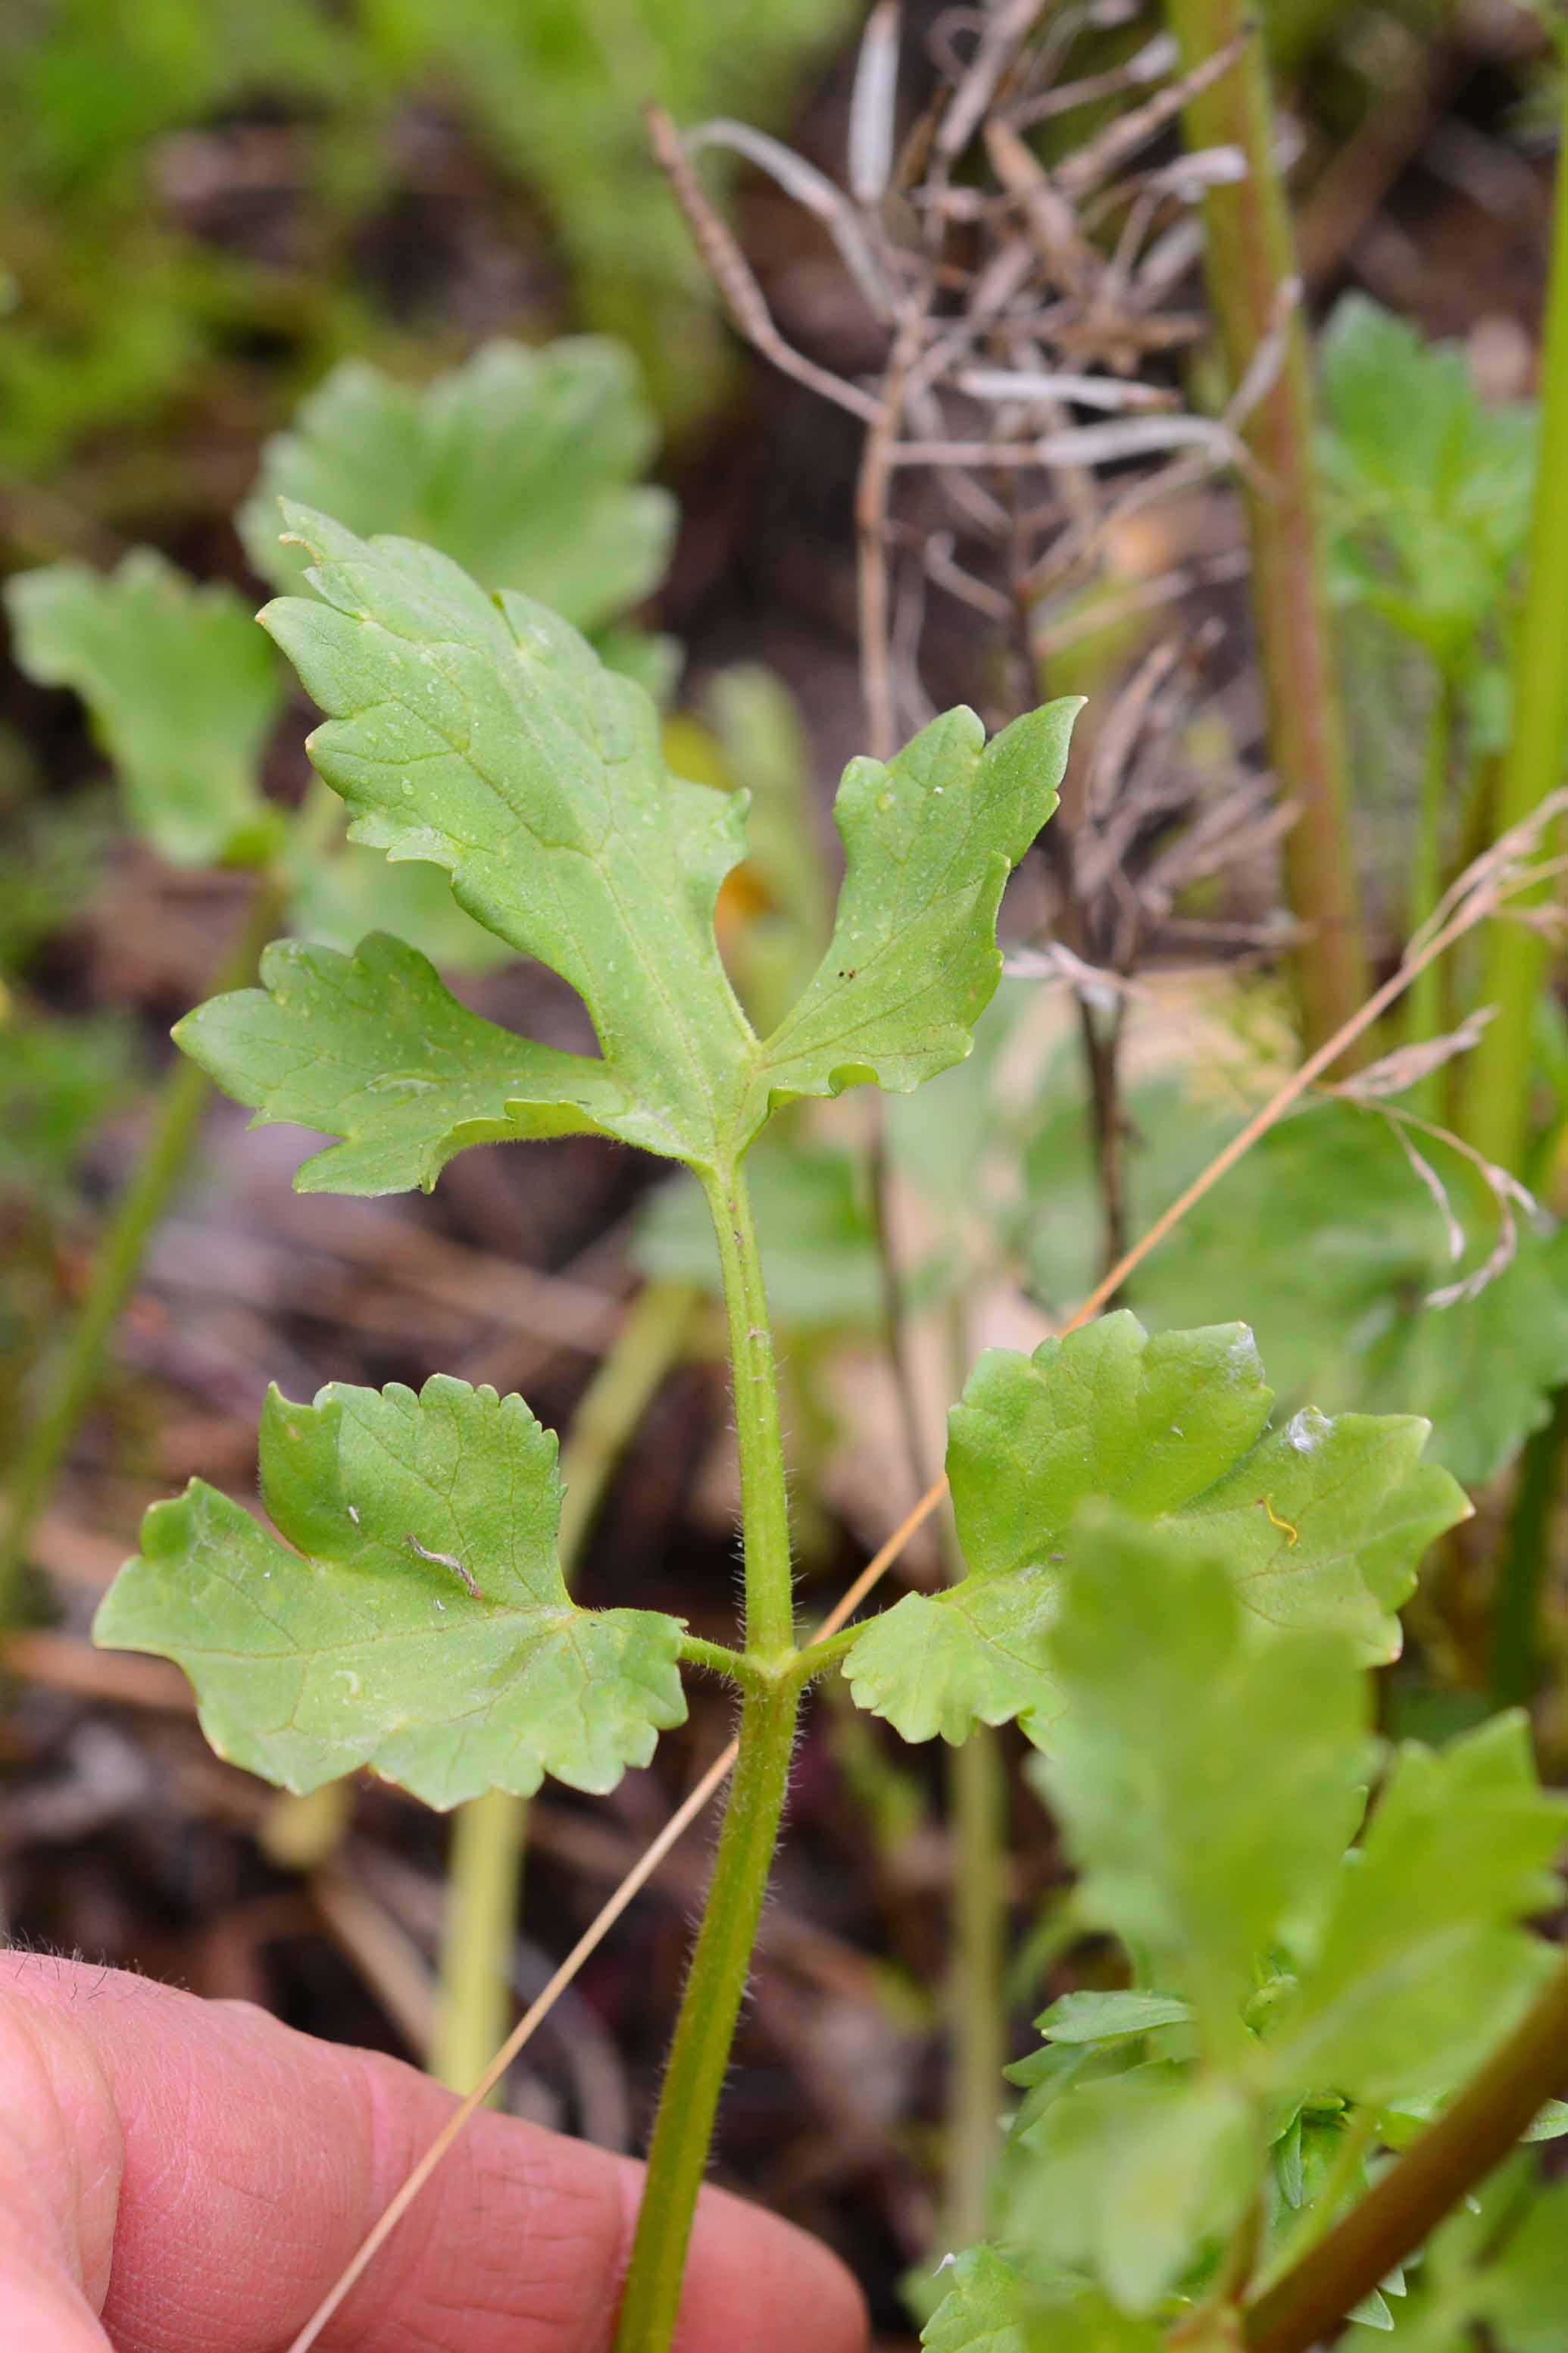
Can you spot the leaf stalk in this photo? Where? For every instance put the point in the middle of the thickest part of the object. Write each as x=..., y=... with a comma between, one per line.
x=765, y=1505
x=700, y=2055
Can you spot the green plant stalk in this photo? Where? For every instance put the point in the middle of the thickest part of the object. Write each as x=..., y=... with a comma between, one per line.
x=1250, y=261
x=1494, y=1102
x=484, y=1873
x=700, y=2054
x=181, y=1100
x=1474, y=2133
x=765, y=1507
x=978, y=2011
x=484, y=1889
x=1424, y=1005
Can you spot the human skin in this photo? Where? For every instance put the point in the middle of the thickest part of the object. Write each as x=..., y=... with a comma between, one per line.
x=179, y=2175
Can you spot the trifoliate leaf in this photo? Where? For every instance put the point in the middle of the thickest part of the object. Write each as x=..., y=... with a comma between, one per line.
x=521, y=466
x=1321, y=1522
x=928, y=843
x=1422, y=1965
x=422, y=1626
x=1208, y=1776
x=182, y=688
x=484, y=736
x=374, y=1047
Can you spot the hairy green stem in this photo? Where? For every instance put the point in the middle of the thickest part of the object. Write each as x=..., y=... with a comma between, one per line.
x=183, y=1098
x=1251, y=262
x=765, y=1506
x=700, y=2055
x=718, y=1658
x=1496, y=1095
x=484, y=1871
x=1474, y=2133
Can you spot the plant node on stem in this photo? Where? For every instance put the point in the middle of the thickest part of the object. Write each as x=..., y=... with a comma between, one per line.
x=700, y=2054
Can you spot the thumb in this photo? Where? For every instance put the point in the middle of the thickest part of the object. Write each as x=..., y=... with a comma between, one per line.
x=217, y=2170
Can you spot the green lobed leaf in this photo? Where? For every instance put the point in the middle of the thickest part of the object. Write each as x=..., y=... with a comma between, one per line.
x=520, y=465
x=182, y=688
x=1322, y=1522
x=375, y=1048
x=913, y=959
x=1207, y=1777
x=1423, y=1964
x=355, y=1649
x=484, y=736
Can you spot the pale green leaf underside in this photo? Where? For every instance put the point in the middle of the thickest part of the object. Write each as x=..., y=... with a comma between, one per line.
x=375, y=1048
x=1320, y=1522
x=485, y=736
x=521, y=466
x=182, y=688
x=355, y=1650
